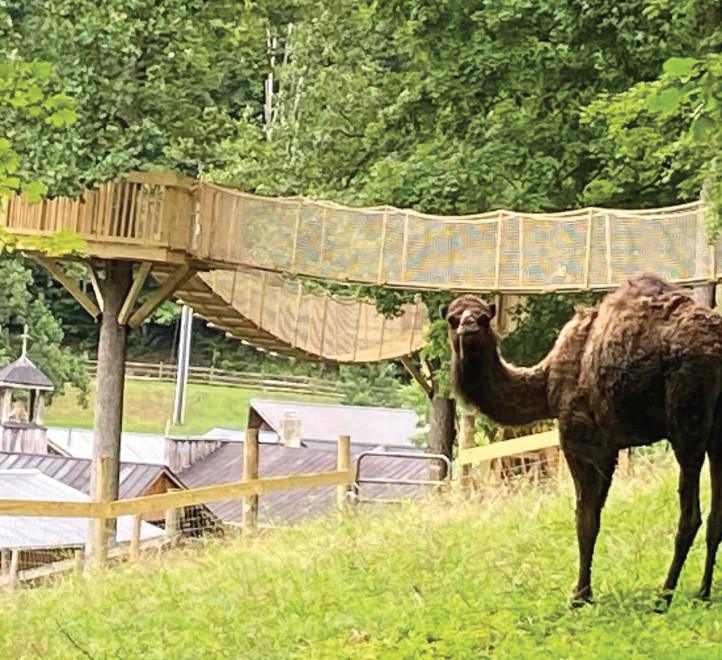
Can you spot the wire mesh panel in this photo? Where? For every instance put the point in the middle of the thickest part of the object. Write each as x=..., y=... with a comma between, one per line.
x=501, y=250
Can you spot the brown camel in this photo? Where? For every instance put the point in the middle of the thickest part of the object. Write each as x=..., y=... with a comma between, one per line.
x=642, y=366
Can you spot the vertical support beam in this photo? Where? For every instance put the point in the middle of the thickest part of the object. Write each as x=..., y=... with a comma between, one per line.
x=134, y=550
x=466, y=441
x=78, y=560
x=343, y=464
x=101, y=531
x=184, y=354
x=5, y=562
x=12, y=582
x=172, y=523
x=110, y=382
x=250, y=472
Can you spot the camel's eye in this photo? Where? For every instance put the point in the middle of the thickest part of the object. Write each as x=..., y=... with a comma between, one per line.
x=454, y=322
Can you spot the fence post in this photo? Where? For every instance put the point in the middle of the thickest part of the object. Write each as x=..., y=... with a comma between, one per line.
x=5, y=562
x=250, y=472
x=78, y=559
x=172, y=526
x=14, y=569
x=466, y=441
x=98, y=552
x=160, y=371
x=134, y=550
x=343, y=463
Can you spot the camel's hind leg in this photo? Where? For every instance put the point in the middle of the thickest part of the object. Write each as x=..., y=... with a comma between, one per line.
x=692, y=393
x=714, y=521
x=690, y=517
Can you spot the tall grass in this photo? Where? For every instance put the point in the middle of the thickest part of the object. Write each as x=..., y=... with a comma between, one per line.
x=445, y=579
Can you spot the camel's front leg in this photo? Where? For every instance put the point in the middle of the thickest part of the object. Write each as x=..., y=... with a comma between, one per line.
x=592, y=478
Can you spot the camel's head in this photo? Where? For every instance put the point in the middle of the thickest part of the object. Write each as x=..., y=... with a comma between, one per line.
x=469, y=319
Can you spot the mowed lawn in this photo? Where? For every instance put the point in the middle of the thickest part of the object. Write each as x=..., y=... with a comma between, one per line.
x=149, y=404
x=447, y=579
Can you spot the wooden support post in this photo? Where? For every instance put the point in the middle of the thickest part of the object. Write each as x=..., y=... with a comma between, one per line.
x=96, y=286
x=466, y=441
x=134, y=550
x=5, y=562
x=250, y=472
x=78, y=560
x=172, y=524
x=110, y=381
x=70, y=286
x=100, y=531
x=416, y=374
x=175, y=280
x=138, y=281
x=12, y=581
x=343, y=463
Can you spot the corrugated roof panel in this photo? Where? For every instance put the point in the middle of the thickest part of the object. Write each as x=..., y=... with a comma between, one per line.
x=75, y=472
x=19, y=532
x=225, y=465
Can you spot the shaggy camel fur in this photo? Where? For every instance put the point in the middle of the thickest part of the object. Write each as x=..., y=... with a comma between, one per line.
x=644, y=365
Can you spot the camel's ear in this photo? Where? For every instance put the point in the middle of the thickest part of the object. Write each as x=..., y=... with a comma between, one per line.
x=443, y=310
x=492, y=311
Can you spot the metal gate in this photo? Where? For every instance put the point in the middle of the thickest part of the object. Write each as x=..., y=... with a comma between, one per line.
x=355, y=494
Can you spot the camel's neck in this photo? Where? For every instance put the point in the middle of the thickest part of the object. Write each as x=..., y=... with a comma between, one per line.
x=508, y=394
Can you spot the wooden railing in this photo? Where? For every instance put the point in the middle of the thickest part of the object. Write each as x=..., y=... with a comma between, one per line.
x=249, y=488
x=506, y=448
x=211, y=376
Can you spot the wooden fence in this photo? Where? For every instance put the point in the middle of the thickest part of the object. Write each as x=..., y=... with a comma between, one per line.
x=307, y=385
x=98, y=550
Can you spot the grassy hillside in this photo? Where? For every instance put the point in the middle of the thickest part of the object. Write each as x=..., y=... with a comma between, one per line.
x=449, y=579
x=148, y=404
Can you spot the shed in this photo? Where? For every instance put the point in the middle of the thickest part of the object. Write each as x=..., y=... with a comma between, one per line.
x=41, y=540
x=324, y=422
x=136, y=480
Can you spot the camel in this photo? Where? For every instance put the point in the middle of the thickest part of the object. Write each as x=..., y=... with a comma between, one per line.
x=643, y=365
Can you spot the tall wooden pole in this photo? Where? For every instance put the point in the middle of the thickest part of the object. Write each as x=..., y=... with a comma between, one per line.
x=466, y=441
x=343, y=463
x=109, y=386
x=250, y=472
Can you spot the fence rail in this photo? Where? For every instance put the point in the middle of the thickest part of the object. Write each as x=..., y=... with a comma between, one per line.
x=211, y=376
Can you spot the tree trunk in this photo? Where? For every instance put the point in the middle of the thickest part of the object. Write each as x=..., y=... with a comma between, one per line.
x=442, y=432
x=110, y=381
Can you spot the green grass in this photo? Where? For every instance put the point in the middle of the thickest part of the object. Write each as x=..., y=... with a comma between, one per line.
x=446, y=579
x=148, y=404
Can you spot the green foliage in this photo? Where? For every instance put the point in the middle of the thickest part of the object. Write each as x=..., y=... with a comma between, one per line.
x=539, y=319
x=23, y=303
x=154, y=87
x=371, y=385
x=371, y=587
x=663, y=136
x=27, y=94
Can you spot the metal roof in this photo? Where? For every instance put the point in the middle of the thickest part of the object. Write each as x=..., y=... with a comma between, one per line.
x=24, y=374
x=135, y=478
x=235, y=435
x=27, y=532
x=324, y=421
x=225, y=465
x=134, y=447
